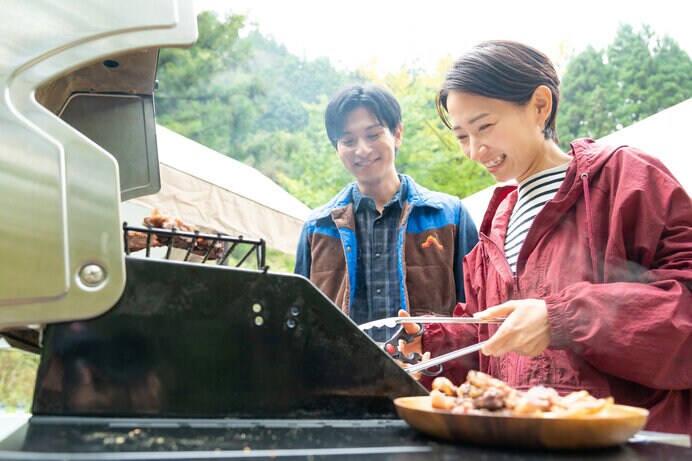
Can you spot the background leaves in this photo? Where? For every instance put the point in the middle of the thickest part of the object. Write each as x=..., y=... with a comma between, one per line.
x=252, y=100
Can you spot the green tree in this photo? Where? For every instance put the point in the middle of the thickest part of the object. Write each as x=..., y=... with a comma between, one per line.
x=192, y=100
x=17, y=378
x=671, y=74
x=293, y=85
x=317, y=173
x=247, y=98
x=584, y=99
x=636, y=76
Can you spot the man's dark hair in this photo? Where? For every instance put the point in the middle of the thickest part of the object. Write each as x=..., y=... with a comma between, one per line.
x=380, y=102
x=505, y=70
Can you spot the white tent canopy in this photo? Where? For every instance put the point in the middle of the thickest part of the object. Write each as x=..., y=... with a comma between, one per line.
x=663, y=135
x=206, y=188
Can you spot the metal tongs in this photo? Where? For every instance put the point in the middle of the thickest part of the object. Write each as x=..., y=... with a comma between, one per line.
x=391, y=322
x=414, y=358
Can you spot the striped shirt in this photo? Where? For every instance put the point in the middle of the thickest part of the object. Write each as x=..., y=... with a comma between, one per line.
x=534, y=192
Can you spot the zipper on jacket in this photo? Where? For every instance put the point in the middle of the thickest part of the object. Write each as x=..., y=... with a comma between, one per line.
x=516, y=282
x=401, y=231
x=589, y=226
x=515, y=278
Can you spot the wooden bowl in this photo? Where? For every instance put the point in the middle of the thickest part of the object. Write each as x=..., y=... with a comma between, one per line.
x=614, y=428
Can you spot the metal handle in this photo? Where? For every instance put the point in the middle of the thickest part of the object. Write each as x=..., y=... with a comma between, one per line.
x=445, y=357
x=392, y=345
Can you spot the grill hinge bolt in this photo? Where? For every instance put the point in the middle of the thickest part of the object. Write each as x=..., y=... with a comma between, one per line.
x=92, y=275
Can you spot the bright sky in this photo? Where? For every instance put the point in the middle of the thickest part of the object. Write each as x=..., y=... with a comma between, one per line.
x=417, y=33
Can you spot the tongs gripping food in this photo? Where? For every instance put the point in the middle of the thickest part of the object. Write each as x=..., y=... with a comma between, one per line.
x=414, y=359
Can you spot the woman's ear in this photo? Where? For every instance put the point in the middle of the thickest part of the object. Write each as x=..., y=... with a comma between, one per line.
x=542, y=101
x=398, y=135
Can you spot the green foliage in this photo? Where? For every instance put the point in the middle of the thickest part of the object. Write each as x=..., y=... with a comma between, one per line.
x=317, y=173
x=291, y=81
x=286, y=131
x=251, y=99
x=637, y=76
x=17, y=378
x=280, y=262
x=192, y=100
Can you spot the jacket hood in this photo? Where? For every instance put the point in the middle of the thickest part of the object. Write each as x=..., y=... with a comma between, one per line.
x=590, y=156
x=589, y=159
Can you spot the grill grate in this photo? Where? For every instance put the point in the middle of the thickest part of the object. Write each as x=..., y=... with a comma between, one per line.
x=197, y=246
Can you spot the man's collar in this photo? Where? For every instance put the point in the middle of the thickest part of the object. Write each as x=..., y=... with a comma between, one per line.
x=399, y=196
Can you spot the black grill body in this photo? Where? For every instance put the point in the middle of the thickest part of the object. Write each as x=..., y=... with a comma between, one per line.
x=203, y=361
x=200, y=341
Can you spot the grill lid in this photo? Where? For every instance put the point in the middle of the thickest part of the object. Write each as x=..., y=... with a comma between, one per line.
x=58, y=189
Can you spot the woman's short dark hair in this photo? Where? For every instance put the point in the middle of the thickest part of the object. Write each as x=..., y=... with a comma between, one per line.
x=374, y=98
x=505, y=70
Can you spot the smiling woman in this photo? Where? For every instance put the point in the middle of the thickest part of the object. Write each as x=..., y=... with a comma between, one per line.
x=576, y=255
x=501, y=135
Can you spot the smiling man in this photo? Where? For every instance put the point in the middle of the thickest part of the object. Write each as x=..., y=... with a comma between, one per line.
x=383, y=243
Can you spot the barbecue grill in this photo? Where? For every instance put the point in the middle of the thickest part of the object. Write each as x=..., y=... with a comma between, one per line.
x=156, y=358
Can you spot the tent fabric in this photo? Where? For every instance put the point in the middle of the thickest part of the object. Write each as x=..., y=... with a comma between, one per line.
x=663, y=135
x=208, y=189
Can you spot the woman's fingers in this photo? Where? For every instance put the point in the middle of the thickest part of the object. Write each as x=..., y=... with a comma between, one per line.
x=501, y=310
x=526, y=330
x=414, y=347
x=497, y=344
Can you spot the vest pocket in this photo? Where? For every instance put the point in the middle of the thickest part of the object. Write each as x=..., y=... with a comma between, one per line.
x=430, y=290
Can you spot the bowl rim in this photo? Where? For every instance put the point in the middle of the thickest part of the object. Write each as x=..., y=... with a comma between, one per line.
x=625, y=412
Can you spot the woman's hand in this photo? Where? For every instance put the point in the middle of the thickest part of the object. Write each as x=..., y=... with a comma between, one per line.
x=526, y=330
x=414, y=346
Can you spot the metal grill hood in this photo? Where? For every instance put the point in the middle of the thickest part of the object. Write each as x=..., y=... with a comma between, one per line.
x=60, y=64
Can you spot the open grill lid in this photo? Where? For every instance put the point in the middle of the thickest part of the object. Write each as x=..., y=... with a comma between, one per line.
x=93, y=64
